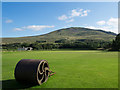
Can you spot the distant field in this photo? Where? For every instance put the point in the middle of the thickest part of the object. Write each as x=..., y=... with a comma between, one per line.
x=74, y=69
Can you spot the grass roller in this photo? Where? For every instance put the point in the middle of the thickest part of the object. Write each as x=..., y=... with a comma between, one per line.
x=32, y=71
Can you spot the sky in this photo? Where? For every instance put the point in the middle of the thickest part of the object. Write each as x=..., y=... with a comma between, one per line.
x=36, y=18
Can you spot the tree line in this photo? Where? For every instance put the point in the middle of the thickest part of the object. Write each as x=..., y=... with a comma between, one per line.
x=65, y=44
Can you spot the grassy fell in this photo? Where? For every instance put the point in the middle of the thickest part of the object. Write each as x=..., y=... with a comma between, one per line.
x=72, y=33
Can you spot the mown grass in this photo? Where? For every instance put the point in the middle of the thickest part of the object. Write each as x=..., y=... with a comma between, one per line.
x=74, y=69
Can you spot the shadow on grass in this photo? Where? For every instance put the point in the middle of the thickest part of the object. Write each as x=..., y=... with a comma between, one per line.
x=13, y=84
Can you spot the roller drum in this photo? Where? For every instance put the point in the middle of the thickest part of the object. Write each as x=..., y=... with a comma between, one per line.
x=31, y=71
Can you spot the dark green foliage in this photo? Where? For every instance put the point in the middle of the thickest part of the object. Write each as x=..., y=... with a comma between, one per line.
x=61, y=41
x=41, y=41
x=116, y=43
x=76, y=44
x=25, y=45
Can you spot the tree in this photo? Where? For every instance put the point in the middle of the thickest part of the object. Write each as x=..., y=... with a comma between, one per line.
x=116, y=43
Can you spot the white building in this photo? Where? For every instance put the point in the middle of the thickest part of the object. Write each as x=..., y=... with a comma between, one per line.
x=25, y=49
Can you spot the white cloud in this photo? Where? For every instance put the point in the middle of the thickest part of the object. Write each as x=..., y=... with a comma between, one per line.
x=38, y=27
x=91, y=27
x=74, y=13
x=109, y=25
x=85, y=13
x=34, y=27
x=113, y=22
x=99, y=28
x=101, y=22
x=9, y=21
x=18, y=29
x=63, y=17
x=79, y=12
x=106, y=28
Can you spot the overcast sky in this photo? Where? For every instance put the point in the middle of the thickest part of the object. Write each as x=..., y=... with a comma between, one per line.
x=36, y=18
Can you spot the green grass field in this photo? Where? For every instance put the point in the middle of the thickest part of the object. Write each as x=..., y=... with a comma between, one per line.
x=74, y=69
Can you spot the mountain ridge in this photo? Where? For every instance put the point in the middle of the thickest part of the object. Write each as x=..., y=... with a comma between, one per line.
x=71, y=33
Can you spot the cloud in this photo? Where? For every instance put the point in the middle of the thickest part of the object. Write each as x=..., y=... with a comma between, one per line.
x=106, y=28
x=79, y=12
x=109, y=25
x=74, y=13
x=9, y=21
x=92, y=27
x=34, y=27
x=18, y=29
x=113, y=22
x=101, y=22
x=63, y=17
x=38, y=27
x=85, y=13
x=99, y=28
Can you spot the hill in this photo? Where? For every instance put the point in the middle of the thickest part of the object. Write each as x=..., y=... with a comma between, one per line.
x=72, y=33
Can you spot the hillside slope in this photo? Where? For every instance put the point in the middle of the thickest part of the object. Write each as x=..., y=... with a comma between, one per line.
x=72, y=33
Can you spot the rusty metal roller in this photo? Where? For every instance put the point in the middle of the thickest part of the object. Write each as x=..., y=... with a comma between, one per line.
x=32, y=71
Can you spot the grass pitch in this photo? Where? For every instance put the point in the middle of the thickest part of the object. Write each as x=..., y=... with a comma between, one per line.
x=74, y=69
